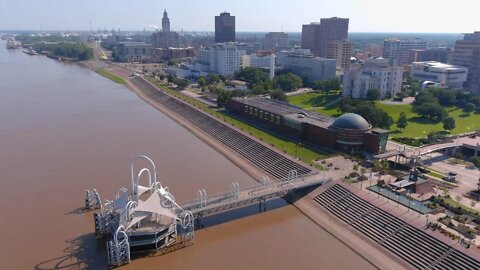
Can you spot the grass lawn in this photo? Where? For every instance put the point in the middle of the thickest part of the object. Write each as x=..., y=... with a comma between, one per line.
x=307, y=155
x=417, y=127
x=435, y=174
x=103, y=72
x=456, y=204
x=317, y=102
x=420, y=127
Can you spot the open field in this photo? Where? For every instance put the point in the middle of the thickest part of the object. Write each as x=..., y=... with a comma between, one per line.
x=417, y=126
x=305, y=154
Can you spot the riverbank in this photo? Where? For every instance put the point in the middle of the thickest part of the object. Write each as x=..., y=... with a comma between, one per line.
x=377, y=257
x=117, y=79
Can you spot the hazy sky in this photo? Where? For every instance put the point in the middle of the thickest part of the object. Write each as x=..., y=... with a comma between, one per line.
x=442, y=16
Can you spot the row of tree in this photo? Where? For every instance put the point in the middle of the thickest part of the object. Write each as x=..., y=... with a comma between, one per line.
x=69, y=50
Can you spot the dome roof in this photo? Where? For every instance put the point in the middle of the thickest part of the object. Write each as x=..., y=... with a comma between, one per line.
x=351, y=121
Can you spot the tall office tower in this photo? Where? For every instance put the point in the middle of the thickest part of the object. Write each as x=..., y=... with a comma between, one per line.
x=316, y=36
x=341, y=51
x=467, y=54
x=165, y=22
x=276, y=41
x=309, y=36
x=397, y=51
x=331, y=29
x=224, y=28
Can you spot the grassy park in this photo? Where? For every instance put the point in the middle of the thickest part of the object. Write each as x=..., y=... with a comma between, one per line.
x=417, y=126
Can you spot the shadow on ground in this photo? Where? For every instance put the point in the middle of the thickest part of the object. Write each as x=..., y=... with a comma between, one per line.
x=84, y=252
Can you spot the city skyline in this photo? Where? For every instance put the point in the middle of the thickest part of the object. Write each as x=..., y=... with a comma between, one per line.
x=251, y=16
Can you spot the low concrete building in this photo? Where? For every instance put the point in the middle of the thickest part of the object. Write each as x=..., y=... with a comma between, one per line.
x=449, y=76
x=133, y=51
x=348, y=133
x=375, y=73
x=302, y=63
x=266, y=61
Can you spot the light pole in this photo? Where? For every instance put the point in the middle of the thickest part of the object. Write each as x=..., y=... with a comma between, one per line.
x=370, y=185
x=421, y=206
x=398, y=199
x=409, y=199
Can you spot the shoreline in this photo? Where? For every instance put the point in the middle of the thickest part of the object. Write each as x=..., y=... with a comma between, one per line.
x=376, y=256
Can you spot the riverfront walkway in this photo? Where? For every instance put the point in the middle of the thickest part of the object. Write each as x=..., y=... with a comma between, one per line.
x=409, y=242
x=261, y=155
x=242, y=197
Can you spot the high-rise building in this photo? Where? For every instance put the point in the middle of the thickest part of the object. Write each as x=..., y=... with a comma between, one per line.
x=225, y=58
x=310, y=36
x=341, y=51
x=165, y=22
x=467, y=54
x=397, y=51
x=165, y=38
x=375, y=73
x=224, y=28
x=316, y=36
x=331, y=29
x=276, y=41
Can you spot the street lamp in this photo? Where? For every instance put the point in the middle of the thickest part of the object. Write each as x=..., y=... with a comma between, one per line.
x=398, y=199
x=409, y=199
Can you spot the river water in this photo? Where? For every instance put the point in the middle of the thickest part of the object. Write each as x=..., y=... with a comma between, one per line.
x=64, y=129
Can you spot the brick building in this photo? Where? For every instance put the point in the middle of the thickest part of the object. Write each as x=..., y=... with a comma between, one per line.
x=349, y=132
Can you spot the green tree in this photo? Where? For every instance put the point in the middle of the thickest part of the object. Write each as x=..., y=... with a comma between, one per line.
x=373, y=94
x=287, y=82
x=430, y=110
x=202, y=82
x=448, y=123
x=476, y=162
x=470, y=107
x=252, y=75
x=402, y=121
x=278, y=94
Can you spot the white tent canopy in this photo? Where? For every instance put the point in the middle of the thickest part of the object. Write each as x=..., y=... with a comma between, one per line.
x=142, y=189
x=137, y=217
x=150, y=206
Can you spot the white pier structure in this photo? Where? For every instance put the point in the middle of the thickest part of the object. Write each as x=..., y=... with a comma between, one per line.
x=146, y=218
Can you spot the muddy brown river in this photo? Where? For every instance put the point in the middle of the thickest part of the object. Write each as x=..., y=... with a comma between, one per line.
x=65, y=129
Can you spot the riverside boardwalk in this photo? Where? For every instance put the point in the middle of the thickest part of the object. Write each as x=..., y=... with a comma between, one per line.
x=203, y=206
x=402, y=232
